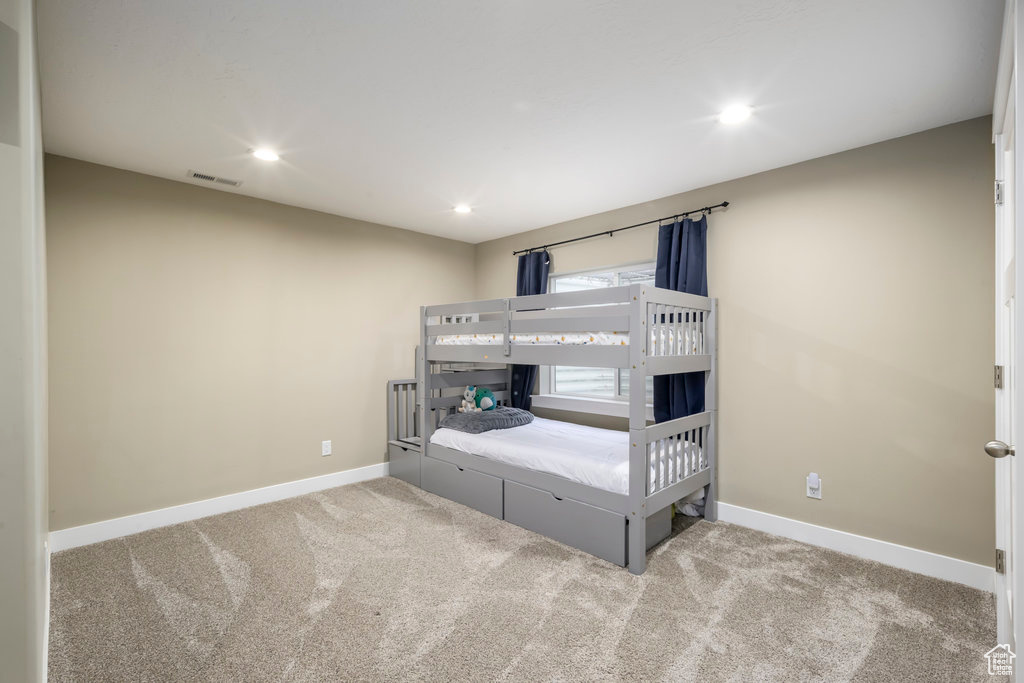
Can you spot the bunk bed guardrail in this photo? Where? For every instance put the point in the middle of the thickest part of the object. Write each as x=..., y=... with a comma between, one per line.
x=403, y=418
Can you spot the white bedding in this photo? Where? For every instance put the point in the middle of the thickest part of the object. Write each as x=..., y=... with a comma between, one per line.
x=663, y=342
x=588, y=455
x=578, y=338
x=592, y=456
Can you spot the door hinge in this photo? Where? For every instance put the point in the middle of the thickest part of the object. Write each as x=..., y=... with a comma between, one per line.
x=998, y=377
x=1000, y=561
x=999, y=193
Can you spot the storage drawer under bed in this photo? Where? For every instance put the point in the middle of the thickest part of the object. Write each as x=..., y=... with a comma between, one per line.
x=474, y=489
x=404, y=461
x=591, y=529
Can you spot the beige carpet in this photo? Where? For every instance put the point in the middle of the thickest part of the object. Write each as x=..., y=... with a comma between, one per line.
x=382, y=581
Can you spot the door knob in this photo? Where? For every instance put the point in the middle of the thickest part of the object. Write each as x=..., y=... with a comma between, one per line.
x=998, y=449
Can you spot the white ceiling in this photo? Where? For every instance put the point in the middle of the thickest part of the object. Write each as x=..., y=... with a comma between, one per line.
x=531, y=111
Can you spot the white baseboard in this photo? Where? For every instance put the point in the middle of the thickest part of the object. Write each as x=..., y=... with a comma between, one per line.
x=920, y=561
x=143, y=521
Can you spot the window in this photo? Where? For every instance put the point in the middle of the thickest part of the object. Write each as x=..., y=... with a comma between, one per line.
x=607, y=383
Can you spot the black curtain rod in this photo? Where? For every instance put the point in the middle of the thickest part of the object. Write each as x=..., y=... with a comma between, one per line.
x=628, y=227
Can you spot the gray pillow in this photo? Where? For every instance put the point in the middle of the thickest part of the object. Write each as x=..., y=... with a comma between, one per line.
x=501, y=417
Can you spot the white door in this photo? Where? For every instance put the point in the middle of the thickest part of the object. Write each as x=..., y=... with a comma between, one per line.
x=1009, y=400
x=1005, y=347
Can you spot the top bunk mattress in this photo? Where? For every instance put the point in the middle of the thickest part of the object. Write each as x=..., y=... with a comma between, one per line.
x=588, y=455
x=661, y=343
x=576, y=338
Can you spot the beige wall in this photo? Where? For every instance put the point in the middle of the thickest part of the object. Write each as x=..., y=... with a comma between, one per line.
x=24, y=580
x=204, y=343
x=856, y=332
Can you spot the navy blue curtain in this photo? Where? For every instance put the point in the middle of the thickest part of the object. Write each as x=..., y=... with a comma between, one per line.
x=531, y=278
x=682, y=265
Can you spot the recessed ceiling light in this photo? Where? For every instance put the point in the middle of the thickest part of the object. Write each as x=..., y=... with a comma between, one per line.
x=737, y=113
x=462, y=208
x=264, y=154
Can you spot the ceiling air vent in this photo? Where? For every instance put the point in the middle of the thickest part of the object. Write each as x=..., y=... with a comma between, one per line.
x=209, y=178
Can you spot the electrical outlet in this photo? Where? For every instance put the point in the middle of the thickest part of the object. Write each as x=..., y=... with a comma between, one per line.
x=813, y=486
x=325, y=448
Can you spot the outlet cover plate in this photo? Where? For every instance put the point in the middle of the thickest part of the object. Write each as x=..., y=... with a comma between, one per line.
x=814, y=493
x=325, y=448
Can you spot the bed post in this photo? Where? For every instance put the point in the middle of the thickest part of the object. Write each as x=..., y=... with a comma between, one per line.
x=711, y=405
x=508, y=386
x=423, y=390
x=637, y=518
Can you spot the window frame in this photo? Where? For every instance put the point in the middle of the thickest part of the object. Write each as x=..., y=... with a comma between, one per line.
x=546, y=373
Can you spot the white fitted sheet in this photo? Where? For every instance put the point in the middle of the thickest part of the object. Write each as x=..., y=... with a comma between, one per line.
x=588, y=455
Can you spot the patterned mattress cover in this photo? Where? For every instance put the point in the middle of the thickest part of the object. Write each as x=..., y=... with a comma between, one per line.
x=690, y=340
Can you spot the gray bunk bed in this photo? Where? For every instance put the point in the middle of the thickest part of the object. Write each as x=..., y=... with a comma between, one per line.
x=638, y=328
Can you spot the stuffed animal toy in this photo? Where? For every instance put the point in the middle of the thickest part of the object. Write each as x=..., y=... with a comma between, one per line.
x=485, y=399
x=469, y=401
